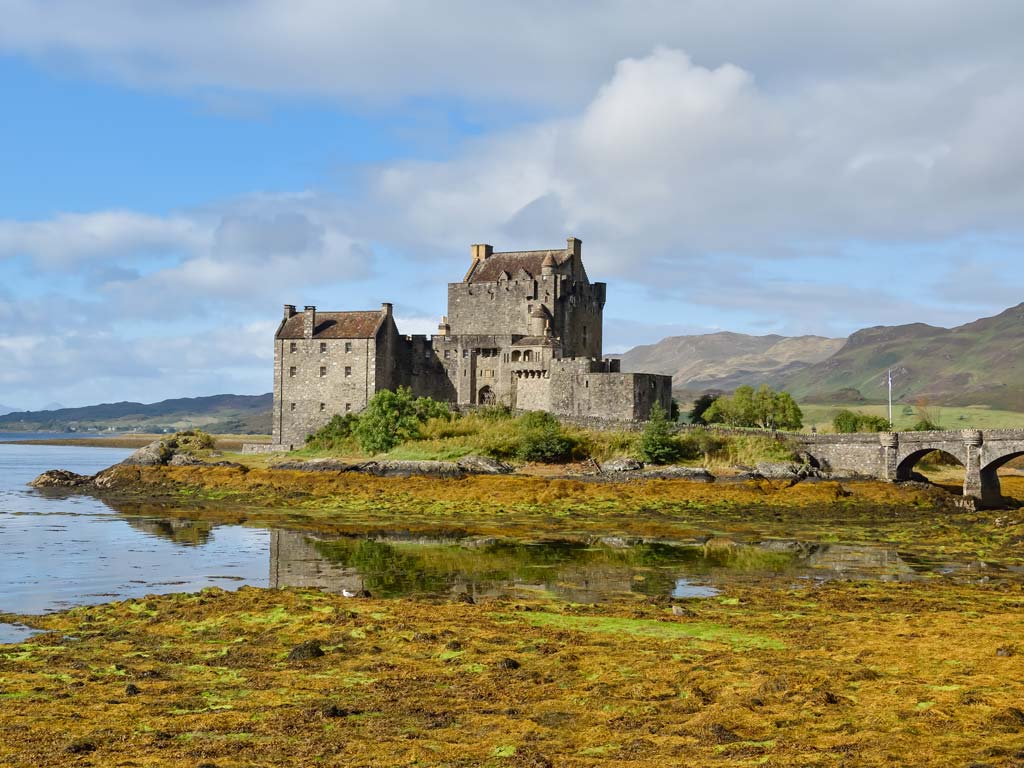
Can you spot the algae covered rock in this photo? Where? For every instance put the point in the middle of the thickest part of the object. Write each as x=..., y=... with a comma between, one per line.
x=60, y=478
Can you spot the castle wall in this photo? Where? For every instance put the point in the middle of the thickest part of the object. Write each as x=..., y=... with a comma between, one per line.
x=579, y=319
x=496, y=309
x=304, y=399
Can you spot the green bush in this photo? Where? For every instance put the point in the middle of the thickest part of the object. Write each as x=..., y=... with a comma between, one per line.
x=193, y=440
x=847, y=421
x=925, y=425
x=542, y=439
x=700, y=407
x=391, y=418
x=334, y=434
x=657, y=444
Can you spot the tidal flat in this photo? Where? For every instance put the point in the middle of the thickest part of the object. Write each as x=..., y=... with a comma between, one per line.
x=828, y=674
x=789, y=670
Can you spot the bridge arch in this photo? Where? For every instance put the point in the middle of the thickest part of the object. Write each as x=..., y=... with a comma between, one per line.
x=991, y=489
x=906, y=468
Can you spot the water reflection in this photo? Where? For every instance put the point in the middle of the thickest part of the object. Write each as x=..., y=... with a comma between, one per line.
x=568, y=570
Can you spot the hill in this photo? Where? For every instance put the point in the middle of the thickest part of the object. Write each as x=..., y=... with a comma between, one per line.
x=980, y=363
x=6, y=409
x=230, y=414
x=726, y=360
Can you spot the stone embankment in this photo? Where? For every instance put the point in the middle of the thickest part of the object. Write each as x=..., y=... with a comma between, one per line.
x=177, y=453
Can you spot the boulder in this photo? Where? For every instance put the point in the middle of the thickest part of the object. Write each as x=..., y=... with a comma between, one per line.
x=622, y=464
x=60, y=478
x=778, y=470
x=317, y=465
x=674, y=472
x=184, y=460
x=483, y=465
x=157, y=453
x=400, y=468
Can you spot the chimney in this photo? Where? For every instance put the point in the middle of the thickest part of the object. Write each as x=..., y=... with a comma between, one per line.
x=481, y=251
x=308, y=322
x=574, y=246
x=386, y=308
x=443, y=329
x=289, y=311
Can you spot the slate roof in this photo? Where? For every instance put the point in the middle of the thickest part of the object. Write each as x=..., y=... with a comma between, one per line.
x=335, y=325
x=511, y=262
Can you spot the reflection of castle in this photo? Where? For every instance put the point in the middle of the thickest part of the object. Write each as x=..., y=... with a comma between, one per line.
x=175, y=529
x=294, y=562
x=523, y=329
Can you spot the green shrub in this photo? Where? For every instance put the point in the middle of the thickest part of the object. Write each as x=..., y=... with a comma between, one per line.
x=763, y=407
x=700, y=407
x=542, y=439
x=334, y=434
x=925, y=425
x=193, y=440
x=657, y=444
x=847, y=421
x=394, y=417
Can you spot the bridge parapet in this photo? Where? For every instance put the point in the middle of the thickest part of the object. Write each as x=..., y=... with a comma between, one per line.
x=893, y=455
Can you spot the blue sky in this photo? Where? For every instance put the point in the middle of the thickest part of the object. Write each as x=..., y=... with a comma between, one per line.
x=174, y=172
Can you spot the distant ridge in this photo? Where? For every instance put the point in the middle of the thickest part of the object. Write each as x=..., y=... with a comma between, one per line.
x=235, y=414
x=978, y=363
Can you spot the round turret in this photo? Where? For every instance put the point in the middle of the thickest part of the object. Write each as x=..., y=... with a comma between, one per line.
x=547, y=267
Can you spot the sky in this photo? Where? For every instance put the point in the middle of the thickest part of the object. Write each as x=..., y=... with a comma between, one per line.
x=173, y=171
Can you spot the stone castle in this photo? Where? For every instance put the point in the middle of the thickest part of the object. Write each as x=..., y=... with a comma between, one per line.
x=523, y=329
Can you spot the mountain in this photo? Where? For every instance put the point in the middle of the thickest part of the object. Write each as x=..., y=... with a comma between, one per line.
x=726, y=360
x=6, y=409
x=234, y=414
x=980, y=363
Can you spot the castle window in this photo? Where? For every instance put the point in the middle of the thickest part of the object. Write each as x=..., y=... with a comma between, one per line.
x=323, y=347
x=447, y=354
x=348, y=371
x=348, y=407
x=348, y=346
x=292, y=371
x=323, y=370
x=527, y=356
x=293, y=347
x=465, y=353
x=323, y=407
x=291, y=406
x=586, y=383
x=515, y=356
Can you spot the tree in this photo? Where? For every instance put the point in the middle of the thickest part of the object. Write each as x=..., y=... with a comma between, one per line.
x=393, y=417
x=700, y=407
x=763, y=408
x=657, y=445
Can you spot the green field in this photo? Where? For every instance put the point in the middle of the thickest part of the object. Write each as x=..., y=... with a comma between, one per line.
x=905, y=416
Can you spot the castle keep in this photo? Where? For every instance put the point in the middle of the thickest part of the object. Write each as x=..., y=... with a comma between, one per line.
x=523, y=329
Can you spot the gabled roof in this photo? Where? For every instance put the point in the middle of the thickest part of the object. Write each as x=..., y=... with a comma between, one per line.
x=335, y=325
x=531, y=262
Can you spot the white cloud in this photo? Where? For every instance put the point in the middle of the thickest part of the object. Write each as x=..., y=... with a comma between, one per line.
x=530, y=52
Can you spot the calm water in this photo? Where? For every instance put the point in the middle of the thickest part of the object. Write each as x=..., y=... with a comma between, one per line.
x=60, y=550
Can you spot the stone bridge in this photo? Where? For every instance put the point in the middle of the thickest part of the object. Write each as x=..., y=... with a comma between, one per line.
x=893, y=455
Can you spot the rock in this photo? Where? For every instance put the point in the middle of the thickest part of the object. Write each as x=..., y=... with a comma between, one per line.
x=453, y=645
x=317, y=465
x=80, y=747
x=719, y=545
x=675, y=472
x=184, y=460
x=132, y=690
x=778, y=470
x=508, y=664
x=622, y=464
x=1006, y=650
x=60, y=478
x=483, y=465
x=304, y=651
x=465, y=597
x=399, y=468
x=157, y=453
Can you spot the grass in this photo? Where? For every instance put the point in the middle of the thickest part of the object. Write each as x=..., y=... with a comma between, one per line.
x=853, y=673
x=948, y=417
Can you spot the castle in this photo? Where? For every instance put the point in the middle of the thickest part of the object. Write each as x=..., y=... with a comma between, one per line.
x=523, y=329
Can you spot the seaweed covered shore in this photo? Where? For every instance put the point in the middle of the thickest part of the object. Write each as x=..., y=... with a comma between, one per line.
x=840, y=674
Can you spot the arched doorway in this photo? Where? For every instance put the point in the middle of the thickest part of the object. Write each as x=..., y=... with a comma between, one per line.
x=486, y=396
